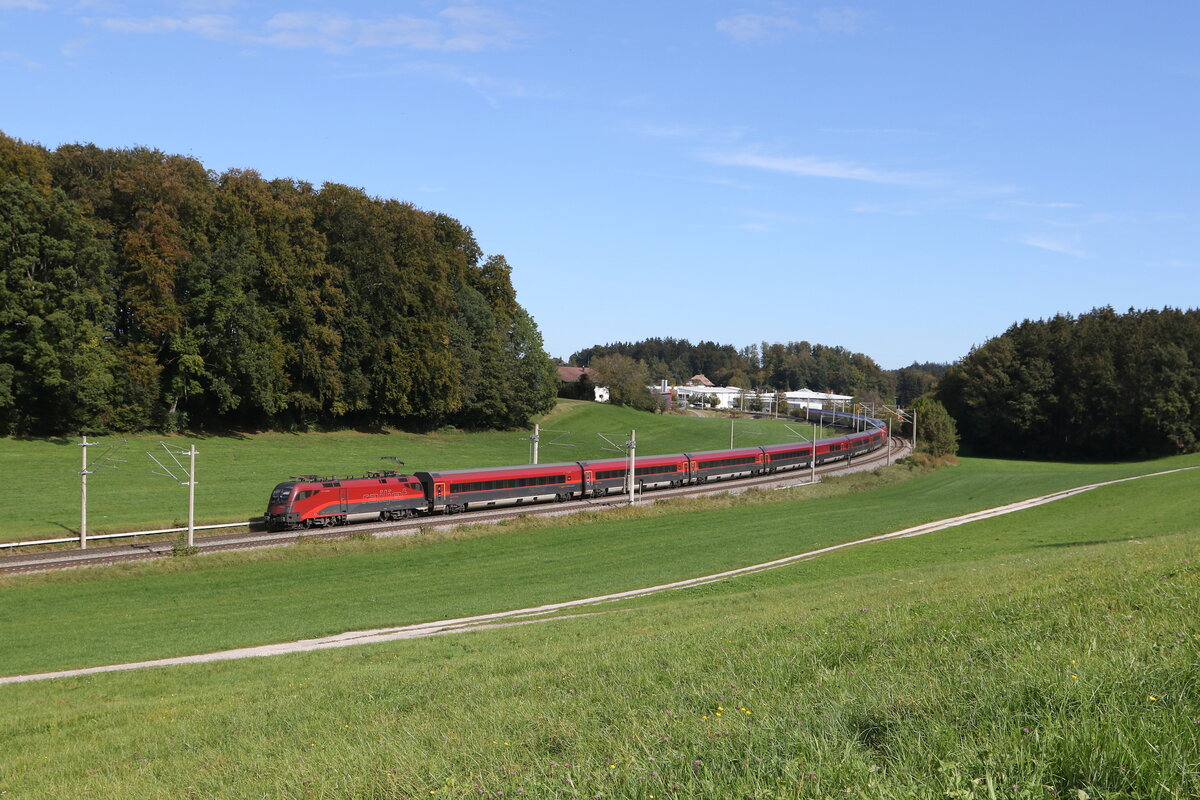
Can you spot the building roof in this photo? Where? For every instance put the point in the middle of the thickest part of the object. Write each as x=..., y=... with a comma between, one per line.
x=571, y=374
x=700, y=380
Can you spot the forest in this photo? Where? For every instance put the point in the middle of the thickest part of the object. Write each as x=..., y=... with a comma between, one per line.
x=139, y=290
x=1098, y=386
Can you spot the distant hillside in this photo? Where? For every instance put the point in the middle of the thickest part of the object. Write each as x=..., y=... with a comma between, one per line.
x=140, y=290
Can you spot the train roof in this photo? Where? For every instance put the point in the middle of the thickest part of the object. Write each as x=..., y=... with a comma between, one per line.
x=536, y=469
x=740, y=451
x=770, y=448
x=374, y=477
x=640, y=459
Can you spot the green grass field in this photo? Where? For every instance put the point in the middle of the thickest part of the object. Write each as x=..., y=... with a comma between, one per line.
x=1050, y=653
x=235, y=474
x=1045, y=654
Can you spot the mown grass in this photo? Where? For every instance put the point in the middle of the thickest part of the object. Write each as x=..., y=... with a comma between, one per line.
x=185, y=606
x=1049, y=654
x=40, y=493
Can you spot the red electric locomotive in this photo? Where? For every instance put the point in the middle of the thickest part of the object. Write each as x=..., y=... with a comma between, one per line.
x=307, y=501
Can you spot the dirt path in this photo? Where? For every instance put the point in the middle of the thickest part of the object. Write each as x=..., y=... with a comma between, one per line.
x=540, y=613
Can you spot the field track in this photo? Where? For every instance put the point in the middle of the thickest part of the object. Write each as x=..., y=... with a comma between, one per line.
x=539, y=613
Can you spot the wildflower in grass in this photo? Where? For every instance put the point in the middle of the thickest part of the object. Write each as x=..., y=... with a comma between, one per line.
x=1152, y=697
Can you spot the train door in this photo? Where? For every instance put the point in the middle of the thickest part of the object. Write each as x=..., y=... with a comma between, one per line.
x=587, y=481
x=343, y=500
x=439, y=495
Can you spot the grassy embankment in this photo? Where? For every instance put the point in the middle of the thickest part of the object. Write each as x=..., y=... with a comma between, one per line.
x=1034, y=655
x=236, y=473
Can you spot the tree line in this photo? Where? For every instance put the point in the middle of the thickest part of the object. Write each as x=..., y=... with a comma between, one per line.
x=140, y=290
x=1100, y=385
x=772, y=367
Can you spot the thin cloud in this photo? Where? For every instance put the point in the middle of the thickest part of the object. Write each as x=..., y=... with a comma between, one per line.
x=27, y=5
x=878, y=131
x=489, y=87
x=887, y=209
x=75, y=46
x=839, y=20
x=756, y=27
x=211, y=26
x=1053, y=245
x=706, y=133
x=749, y=27
x=457, y=28
x=812, y=167
x=16, y=58
x=1032, y=204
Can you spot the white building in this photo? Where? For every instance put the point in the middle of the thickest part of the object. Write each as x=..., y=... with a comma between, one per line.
x=731, y=397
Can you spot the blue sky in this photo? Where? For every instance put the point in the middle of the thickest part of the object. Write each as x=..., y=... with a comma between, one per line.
x=902, y=179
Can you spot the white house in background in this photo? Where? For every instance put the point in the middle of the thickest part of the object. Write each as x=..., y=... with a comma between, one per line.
x=807, y=398
x=727, y=396
x=730, y=397
x=573, y=374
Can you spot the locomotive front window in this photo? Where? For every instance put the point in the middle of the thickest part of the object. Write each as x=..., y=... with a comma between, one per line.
x=280, y=495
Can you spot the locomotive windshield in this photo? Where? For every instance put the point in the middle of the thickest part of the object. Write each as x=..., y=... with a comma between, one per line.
x=281, y=494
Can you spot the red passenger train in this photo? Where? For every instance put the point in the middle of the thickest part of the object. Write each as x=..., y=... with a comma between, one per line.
x=307, y=501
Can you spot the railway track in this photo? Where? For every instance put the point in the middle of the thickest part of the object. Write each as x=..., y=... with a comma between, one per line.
x=250, y=540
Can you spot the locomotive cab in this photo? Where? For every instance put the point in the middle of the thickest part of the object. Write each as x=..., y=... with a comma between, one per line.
x=279, y=508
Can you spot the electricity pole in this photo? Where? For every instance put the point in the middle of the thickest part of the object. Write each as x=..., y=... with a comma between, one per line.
x=102, y=461
x=632, y=444
x=188, y=472
x=536, y=438
x=812, y=462
x=630, y=448
x=83, y=498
